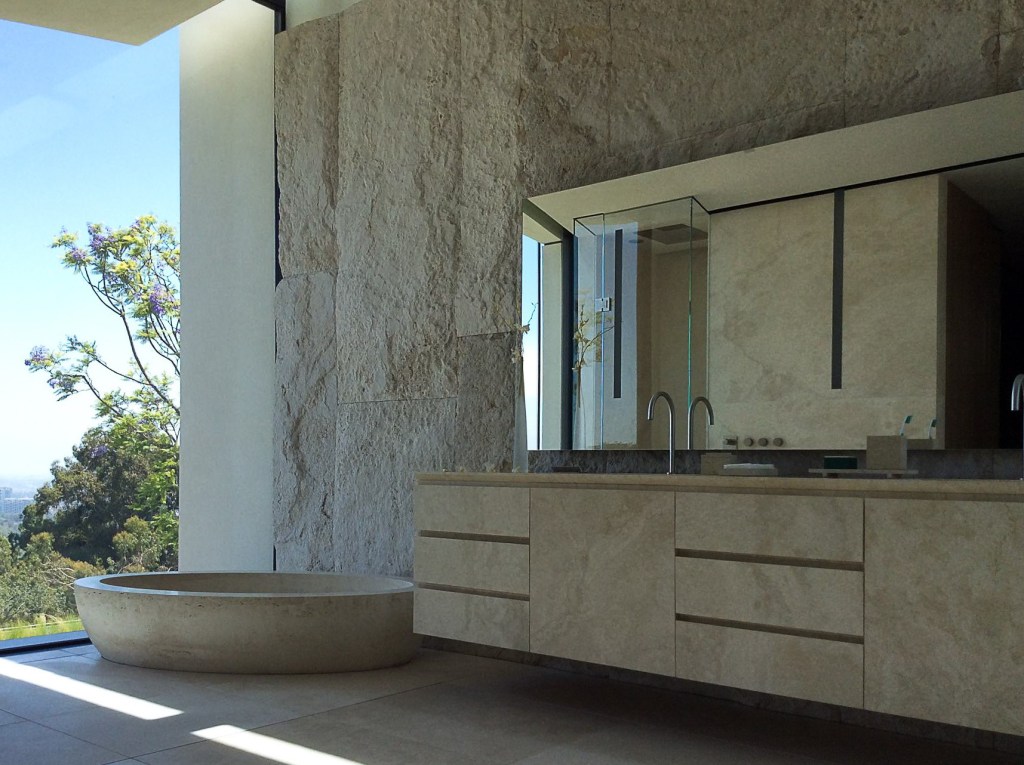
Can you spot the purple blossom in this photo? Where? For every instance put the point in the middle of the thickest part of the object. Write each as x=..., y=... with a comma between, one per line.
x=99, y=451
x=78, y=255
x=159, y=300
x=98, y=240
x=37, y=355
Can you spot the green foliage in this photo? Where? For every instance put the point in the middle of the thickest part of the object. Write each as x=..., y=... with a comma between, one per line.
x=38, y=581
x=118, y=471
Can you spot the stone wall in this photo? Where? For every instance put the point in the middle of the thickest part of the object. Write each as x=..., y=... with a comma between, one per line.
x=409, y=131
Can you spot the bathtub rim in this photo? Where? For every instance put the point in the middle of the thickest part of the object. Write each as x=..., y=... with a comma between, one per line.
x=101, y=583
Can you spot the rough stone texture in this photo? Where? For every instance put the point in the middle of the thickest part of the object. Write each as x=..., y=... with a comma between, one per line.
x=669, y=68
x=399, y=200
x=489, y=253
x=483, y=421
x=381, y=446
x=1011, y=61
x=567, y=60
x=447, y=112
x=394, y=313
x=304, y=424
x=927, y=54
x=306, y=117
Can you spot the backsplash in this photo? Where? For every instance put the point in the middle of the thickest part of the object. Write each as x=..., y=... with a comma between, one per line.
x=1003, y=464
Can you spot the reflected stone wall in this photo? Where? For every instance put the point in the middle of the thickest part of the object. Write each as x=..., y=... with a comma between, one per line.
x=410, y=130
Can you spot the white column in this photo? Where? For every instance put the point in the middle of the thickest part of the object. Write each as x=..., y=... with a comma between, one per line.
x=227, y=288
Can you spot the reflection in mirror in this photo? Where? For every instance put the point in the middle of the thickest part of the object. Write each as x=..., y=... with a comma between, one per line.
x=636, y=283
x=859, y=276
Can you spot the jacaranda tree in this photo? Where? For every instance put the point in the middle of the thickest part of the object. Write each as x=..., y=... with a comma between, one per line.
x=125, y=467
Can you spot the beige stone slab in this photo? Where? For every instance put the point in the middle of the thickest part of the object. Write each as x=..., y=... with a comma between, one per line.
x=944, y=612
x=930, y=488
x=500, y=622
x=802, y=667
x=798, y=597
x=381, y=445
x=495, y=566
x=306, y=87
x=819, y=528
x=891, y=260
x=473, y=510
x=770, y=312
x=602, y=577
x=305, y=421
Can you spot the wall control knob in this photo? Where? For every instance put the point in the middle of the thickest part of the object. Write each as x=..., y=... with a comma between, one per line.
x=748, y=441
x=778, y=441
x=762, y=441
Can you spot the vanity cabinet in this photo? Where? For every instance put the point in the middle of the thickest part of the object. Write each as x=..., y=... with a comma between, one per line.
x=770, y=594
x=601, y=577
x=900, y=597
x=944, y=611
x=472, y=564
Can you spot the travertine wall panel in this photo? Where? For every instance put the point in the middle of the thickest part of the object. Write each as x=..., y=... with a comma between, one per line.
x=670, y=62
x=381, y=446
x=488, y=256
x=447, y=112
x=306, y=114
x=305, y=419
x=483, y=421
x=396, y=339
x=565, y=103
x=934, y=52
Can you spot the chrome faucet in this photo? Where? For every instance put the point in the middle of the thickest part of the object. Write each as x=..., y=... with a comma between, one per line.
x=689, y=419
x=671, y=425
x=1016, y=399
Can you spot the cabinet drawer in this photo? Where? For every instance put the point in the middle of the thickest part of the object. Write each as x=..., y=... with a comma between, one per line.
x=484, y=510
x=817, y=528
x=787, y=665
x=500, y=622
x=495, y=566
x=798, y=597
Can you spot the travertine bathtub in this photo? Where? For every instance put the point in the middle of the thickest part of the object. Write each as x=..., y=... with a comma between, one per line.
x=249, y=622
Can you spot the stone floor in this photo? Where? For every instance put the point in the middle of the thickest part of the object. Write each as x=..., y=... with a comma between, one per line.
x=70, y=707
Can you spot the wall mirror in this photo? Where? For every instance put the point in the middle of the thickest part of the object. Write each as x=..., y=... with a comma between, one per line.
x=821, y=290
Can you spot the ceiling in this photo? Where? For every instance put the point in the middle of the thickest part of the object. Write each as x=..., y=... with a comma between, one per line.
x=127, y=21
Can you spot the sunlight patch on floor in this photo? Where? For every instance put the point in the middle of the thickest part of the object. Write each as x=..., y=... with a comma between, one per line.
x=92, y=694
x=270, y=748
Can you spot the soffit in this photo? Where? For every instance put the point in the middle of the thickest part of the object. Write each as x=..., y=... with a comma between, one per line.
x=930, y=141
x=127, y=21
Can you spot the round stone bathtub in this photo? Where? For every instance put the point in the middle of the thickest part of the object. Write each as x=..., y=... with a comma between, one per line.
x=249, y=622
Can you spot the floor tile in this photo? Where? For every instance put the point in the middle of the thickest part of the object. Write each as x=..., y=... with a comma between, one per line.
x=82, y=650
x=131, y=737
x=472, y=722
x=28, y=742
x=6, y=718
x=32, y=703
x=443, y=707
x=647, y=745
x=34, y=656
x=349, y=744
x=310, y=694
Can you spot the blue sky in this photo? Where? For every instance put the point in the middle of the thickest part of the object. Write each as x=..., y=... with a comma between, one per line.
x=88, y=133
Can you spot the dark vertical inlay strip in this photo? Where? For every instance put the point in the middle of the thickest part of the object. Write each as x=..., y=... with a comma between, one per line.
x=838, y=224
x=569, y=255
x=617, y=319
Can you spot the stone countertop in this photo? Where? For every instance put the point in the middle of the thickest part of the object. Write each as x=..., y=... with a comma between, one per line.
x=908, y=488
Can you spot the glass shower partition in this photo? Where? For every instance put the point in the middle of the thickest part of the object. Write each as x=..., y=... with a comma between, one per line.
x=640, y=322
